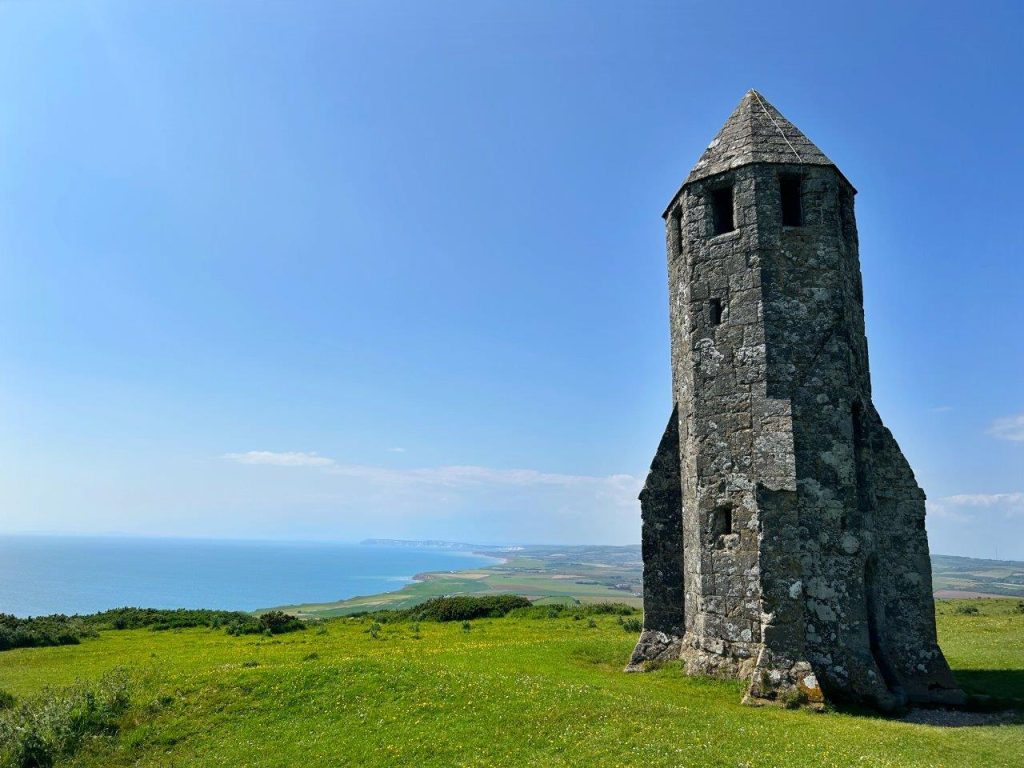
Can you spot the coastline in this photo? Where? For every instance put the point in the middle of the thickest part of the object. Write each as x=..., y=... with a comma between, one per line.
x=424, y=575
x=543, y=574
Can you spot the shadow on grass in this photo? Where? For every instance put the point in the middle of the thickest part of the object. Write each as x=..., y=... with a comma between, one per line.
x=998, y=683
x=995, y=697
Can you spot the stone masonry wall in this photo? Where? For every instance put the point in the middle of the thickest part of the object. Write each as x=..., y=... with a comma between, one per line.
x=718, y=373
x=852, y=547
x=662, y=546
x=777, y=492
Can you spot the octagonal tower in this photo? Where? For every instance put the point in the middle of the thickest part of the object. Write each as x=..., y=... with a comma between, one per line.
x=783, y=529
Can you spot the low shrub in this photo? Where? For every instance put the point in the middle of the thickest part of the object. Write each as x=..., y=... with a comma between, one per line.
x=458, y=608
x=269, y=623
x=609, y=609
x=966, y=610
x=279, y=622
x=7, y=700
x=59, y=629
x=41, y=631
x=53, y=725
x=160, y=619
x=632, y=625
x=584, y=610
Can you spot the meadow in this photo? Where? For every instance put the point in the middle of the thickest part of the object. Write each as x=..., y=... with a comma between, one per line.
x=542, y=690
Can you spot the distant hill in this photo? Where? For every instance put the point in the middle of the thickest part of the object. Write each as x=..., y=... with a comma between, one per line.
x=587, y=574
x=971, y=577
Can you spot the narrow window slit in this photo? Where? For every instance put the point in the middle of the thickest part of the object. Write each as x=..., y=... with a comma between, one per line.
x=721, y=203
x=715, y=310
x=677, y=232
x=721, y=526
x=789, y=188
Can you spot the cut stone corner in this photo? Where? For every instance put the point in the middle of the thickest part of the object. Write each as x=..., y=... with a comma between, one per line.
x=653, y=647
x=793, y=687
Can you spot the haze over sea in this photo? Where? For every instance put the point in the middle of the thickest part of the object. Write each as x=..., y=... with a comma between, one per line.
x=52, y=574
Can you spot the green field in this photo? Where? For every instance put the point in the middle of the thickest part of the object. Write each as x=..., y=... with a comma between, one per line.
x=504, y=692
x=970, y=577
x=594, y=573
x=542, y=573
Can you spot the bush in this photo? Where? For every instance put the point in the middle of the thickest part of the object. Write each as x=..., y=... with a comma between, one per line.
x=245, y=625
x=609, y=609
x=59, y=629
x=159, y=619
x=279, y=622
x=458, y=608
x=41, y=631
x=633, y=625
x=7, y=700
x=966, y=610
x=269, y=623
x=53, y=725
x=558, y=610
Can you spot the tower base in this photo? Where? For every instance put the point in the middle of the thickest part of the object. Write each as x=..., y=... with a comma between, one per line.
x=653, y=646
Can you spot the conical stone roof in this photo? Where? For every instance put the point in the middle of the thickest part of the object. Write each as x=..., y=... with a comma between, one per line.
x=756, y=132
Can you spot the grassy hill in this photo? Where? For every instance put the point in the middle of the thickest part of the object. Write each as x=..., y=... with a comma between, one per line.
x=595, y=573
x=498, y=692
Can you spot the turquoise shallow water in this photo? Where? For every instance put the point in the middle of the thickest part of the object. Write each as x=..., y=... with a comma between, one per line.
x=50, y=574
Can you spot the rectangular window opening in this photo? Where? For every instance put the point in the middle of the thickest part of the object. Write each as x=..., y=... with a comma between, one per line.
x=715, y=310
x=722, y=522
x=677, y=231
x=721, y=202
x=789, y=188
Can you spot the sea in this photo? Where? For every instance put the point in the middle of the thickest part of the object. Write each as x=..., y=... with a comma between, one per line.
x=40, y=575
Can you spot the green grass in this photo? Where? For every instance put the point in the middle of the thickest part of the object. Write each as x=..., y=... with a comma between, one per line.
x=508, y=692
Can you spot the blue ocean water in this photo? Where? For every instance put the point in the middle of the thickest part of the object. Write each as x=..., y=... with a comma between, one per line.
x=49, y=574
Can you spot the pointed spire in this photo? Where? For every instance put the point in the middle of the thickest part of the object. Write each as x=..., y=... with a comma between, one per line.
x=756, y=132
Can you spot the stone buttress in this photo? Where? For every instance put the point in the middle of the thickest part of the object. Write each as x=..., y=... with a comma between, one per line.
x=783, y=529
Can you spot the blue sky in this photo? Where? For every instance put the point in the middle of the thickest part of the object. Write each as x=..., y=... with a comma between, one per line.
x=396, y=268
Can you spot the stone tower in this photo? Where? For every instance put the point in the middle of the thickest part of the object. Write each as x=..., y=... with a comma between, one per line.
x=783, y=529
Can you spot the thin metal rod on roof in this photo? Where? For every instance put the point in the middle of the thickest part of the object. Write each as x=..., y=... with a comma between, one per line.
x=777, y=126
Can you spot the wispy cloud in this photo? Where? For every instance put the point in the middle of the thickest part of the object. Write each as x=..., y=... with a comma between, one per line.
x=444, y=476
x=281, y=459
x=511, y=504
x=475, y=476
x=397, y=450
x=942, y=409
x=966, y=506
x=1008, y=428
